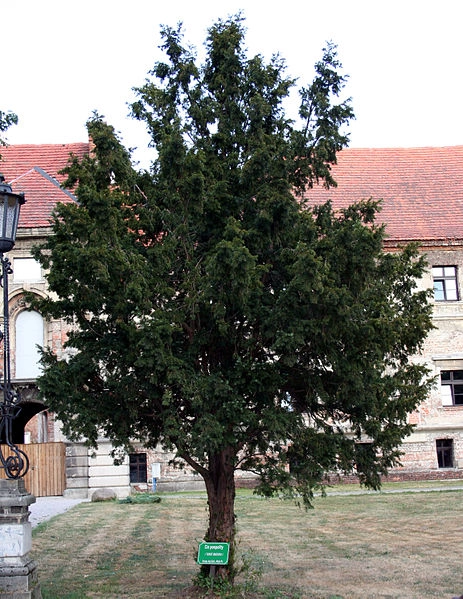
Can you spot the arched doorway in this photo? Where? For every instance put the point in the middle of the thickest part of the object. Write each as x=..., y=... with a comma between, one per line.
x=33, y=412
x=47, y=457
x=29, y=338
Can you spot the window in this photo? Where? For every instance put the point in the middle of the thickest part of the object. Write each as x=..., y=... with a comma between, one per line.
x=364, y=456
x=452, y=387
x=444, y=448
x=137, y=463
x=445, y=283
x=26, y=269
x=29, y=335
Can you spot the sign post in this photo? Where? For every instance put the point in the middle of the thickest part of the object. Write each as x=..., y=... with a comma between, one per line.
x=155, y=474
x=213, y=554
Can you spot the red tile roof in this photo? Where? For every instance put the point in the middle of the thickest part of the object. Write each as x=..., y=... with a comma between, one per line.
x=421, y=190
x=34, y=170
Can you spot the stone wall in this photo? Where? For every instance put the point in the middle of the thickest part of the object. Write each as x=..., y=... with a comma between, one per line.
x=102, y=473
x=88, y=470
x=77, y=476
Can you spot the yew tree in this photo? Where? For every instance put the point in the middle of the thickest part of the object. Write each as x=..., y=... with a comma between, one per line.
x=7, y=119
x=215, y=312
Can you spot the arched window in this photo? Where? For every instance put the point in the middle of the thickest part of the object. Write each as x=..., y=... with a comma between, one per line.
x=29, y=335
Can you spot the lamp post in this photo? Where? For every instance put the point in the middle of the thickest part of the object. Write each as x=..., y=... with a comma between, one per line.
x=18, y=571
x=16, y=463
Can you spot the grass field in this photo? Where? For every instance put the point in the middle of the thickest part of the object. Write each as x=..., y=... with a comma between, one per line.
x=396, y=545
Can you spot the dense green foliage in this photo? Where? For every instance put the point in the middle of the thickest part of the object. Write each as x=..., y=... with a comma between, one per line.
x=214, y=312
x=6, y=120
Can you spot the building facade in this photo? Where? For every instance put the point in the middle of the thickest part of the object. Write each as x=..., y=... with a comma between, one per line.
x=421, y=193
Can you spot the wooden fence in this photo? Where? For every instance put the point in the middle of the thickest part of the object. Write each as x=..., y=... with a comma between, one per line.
x=47, y=468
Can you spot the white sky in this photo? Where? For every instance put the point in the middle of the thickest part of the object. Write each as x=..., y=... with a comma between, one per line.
x=61, y=60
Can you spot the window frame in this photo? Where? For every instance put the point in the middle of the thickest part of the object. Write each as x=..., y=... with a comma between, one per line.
x=455, y=382
x=138, y=468
x=29, y=335
x=444, y=278
x=445, y=453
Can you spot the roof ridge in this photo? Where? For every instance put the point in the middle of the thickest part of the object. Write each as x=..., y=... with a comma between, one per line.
x=51, y=179
x=63, y=143
x=22, y=175
x=55, y=182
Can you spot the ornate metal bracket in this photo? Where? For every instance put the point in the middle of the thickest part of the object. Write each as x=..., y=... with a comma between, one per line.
x=16, y=462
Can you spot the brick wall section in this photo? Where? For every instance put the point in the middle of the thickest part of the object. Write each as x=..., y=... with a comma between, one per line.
x=396, y=477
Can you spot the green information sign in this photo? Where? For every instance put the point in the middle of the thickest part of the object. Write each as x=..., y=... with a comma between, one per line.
x=215, y=554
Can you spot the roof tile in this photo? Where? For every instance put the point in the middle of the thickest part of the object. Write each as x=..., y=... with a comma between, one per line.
x=421, y=189
x=35, y=171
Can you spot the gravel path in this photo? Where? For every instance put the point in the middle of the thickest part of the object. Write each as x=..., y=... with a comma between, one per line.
x=45, y=508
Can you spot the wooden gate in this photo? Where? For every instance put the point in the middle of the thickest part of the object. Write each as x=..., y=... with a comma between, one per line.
x=47, y=468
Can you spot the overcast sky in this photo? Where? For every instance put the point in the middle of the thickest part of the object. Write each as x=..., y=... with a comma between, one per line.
x=61, y=60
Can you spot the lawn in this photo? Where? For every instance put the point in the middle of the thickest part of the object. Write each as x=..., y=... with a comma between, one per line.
x=396, y=545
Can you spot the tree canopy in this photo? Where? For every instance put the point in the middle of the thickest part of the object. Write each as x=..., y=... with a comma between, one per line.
x=6, y=120
x=212, y=310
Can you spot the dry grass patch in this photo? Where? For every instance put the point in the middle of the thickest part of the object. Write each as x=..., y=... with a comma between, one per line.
x=400, y=546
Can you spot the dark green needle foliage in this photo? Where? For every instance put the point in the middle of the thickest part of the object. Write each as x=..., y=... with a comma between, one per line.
x=6, y=120
x=216, y=313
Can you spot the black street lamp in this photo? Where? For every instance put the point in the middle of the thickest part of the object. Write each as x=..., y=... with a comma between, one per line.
x=16, y=463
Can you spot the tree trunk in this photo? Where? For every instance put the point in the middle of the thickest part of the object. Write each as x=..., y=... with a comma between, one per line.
x=220, y=485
